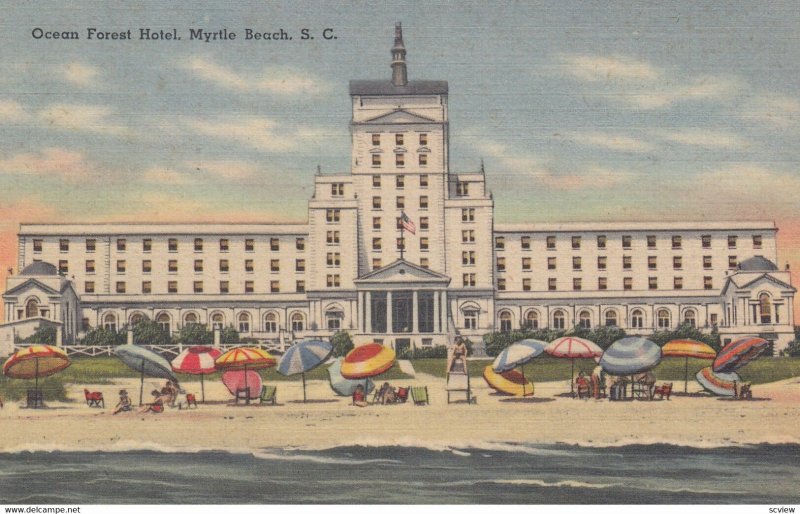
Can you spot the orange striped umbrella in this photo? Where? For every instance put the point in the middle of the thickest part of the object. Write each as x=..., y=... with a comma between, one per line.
x=687, y=348
x=245, y=358
x=39, y=360
x=367, y=361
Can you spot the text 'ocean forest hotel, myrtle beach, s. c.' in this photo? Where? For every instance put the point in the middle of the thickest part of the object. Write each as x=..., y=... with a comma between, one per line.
x=401, y=251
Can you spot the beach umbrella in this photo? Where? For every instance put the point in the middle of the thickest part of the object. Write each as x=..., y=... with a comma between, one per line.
x=518, y=354
x=345, y=386
x=738, y=353
x=38, y=360
x=687, y=348
x=366, y=361
x=244, y=358
x=571, y=347
x=197, y=360
x=146, y=362
x=303, y=357
x=238, y=379
x=630, y=355
x=721, y=384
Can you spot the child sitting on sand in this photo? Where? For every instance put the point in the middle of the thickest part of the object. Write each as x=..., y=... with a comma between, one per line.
x=359, y=399
x=156, y=407
x=124, y=402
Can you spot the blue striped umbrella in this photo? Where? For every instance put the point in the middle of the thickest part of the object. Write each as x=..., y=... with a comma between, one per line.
x=517, y=355
x=630, y=355
x=345, y=386
x=146, y=362
x=302, y=357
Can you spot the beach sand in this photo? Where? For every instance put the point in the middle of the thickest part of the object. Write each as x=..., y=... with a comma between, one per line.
x=328, y=421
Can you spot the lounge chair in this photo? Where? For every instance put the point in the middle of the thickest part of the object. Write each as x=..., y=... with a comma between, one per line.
x=663, y=390
x=402, y=394
x=269, y=394
x=94, y=399
x=419, y=394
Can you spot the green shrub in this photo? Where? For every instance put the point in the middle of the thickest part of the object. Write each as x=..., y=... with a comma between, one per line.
x=100, y=336
x=194, y=334
x=147, y=331
x=43, y=335
x=686, y=331
x=342, y=343
x=496, y=342
x=229, y=335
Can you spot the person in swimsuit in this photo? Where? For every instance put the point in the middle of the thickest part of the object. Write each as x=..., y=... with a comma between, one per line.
x=156, y=407
x=124, y=402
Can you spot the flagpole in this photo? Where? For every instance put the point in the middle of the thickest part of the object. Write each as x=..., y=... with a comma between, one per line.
x=402, y=235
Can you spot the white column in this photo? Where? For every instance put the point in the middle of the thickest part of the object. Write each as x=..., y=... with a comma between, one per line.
x=437, y=318
x=389, y=312
x=415, y=312
x=368, y=312
x=444, y=311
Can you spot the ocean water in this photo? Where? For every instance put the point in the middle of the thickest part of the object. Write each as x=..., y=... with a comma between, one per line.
x=488, y=473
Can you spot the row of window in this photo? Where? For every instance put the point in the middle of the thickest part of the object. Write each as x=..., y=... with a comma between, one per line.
x=400, y=202
x=172, y=244
x=224, y=265
x=400, y=160
x=198, y=286
x=399, y=139
x=611, y=319
x=424, y=223
x=218, y=321
x=400, y=181
x=377, y=244
x=627, y=241
x=377, y=263
x=602, y=283
x=602, y=262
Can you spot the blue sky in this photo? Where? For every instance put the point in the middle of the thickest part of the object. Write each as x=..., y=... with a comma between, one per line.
x=581, y=111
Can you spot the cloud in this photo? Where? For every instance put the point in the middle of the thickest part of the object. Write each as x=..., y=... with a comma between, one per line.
x=704, y=138
x=229, y=170
x=50, y=161
x=611, y=141
x=13, y=112
x=80, y=74
x=82, y=118
x=590, y=68
x=161, y=175
x=258, y=133
x=778, y=111
x=275, y=80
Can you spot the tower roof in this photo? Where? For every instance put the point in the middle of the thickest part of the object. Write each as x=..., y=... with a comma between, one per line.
x=757, y=263
x=39, y=268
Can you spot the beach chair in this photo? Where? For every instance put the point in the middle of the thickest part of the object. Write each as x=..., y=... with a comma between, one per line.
x=94, y=399
x=269, y=394
x=402, y=394
x=663, y=390
x=419, y=394
x=742, y=390
x=35, y=399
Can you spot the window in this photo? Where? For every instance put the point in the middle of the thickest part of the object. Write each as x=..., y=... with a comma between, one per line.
x=398, y=139
x=602, y=262
x=224, y=287
x=376, y=139
x=424, y=262
x=576, y=263
x=110, y=322
x=764, y=308
x=120, y=266
x=462, y=188
x=223, y=265
x=198, y=265
x=274, y=265
x=63, y=267
x=274, y=244
x=376, y=263
x=601, y=242
x=249, y=245
x=551, y=284
x=423, y=180
x=499, y=243
x=732, y=241
x=332, y=215
x=172, y=245
x=337, y=189
x=274, y=286
x=551, y=263
x=469, y=279
x=376, y=181
x=88, y=287
x=198, y=245
x=713, y=320
x=501, y=284
x=627, y=283
x=300, y=244
x=172, y=266
x=63, y=245
x=468, y=215
x=401, y=243
x=217, y=321
x=677, y=282
x=731, y=261
x=244, y=323
x=423, y=139
x=300, y=265
x=376, y=223
x=676, y=242
x=223, y=245
x=147, y=266
x=585, y=319
x=467, y=236
x=376, y=160
x=333, y=259
x=602, y=283
x=197, y=286
x=91, y=245
x=626, y=241
x=333, y=237
x=505, y=321
x=90, y=266
x=298, y=322
x=501, y=264
x=576, y=242
x=757, y=241
x=706, y=262
x=626, y=262
x=651, y=241
x=663, y=318
x=706, y=240
x=652, y=262
x=400, y=181
x=248, y=265
x=147, y=245
x=164, y=322
x=690, y=318
x=332, y=281
x=652, y=282
x=577, y=284
x=526, y=284
x=377, y=243
x=471, y=319
x=249, y=286
x=172, y=286
x=423, y=159
x=300, y=286
x=423, y=202
x=559, y=319
x=423, y=244
x=376, y=202
x=400, y=202
x=468, y=258
x=637, y=319
x=708, y=283
x=551, y=242
x=531, y=319
x=333, y=319
x=424, y=223
x=400, y=160
x=525, y=242
x=677, y=262
x=526, y=264
x=611, y=318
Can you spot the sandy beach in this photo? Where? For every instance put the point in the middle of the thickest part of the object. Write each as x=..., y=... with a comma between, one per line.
x=327, y=421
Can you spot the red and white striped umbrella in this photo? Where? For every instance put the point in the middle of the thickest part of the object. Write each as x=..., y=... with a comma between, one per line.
x=197, y=360
x=573, y=348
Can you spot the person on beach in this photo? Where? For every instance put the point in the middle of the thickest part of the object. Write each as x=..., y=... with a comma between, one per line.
x=359, y=398
x=582, y=385
x=169, y=392
x=156, y=407
x=387, y=394
x=598, y=382
x=458, y=356
x=124, y=402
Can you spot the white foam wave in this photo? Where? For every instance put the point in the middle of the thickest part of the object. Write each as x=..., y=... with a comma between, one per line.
x=320, y=460
x=536, y=482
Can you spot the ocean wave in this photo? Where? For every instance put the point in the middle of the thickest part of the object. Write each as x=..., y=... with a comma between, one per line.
x=264, y=455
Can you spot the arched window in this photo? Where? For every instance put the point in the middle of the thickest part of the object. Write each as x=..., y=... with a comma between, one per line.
x=110, y=322
x=32, y=308
x=532, y=320
x=505, y=321
x=611, y=318
x=164, y=322
x=217, y=321
x=559, y=320
x=690, y=318
x=637, y=319
x=298, y=322
x=585, y=319
x=136, y=317
x=663, y=318
x=470, y=318
x=333, y=319
x=190, y=318
x=765, y=308
x=271, y=322
x=244, y=323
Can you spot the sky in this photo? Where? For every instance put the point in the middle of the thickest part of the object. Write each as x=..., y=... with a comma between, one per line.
x=579, y=110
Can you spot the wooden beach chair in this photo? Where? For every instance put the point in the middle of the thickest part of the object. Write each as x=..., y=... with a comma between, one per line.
x=94, y=399
x=419, y=394
x=269, y=394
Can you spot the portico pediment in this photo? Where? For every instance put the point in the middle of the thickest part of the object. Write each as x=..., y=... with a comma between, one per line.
x=30, y=285
x=404, y=273
x=399, y=116
x=739, y=283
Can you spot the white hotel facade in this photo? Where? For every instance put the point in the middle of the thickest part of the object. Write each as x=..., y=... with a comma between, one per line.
x=460, y=273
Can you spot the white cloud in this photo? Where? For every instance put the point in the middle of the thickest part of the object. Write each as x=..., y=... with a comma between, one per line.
x=704, y=138
x=259, y=133
x=12, y=111
x=229, y=170
x=80, y=74
x=280, y=81
x=611, y=141
x=778, y=111
x=83, y=118
x=592, y=68
x=50, y=161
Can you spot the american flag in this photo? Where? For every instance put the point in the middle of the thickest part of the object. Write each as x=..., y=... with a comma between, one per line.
x=407, y=224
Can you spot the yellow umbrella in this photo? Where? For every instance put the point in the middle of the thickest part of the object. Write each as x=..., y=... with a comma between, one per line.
x=245, y=358
x=39, y=360
x=687, y=348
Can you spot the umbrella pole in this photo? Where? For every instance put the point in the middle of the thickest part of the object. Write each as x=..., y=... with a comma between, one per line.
x=304, y=386
x=141, y=386
x=523, y=379
x=686, y=376
x=246, y=387
x=572, y=378
x=36, y=387
x=202, y=389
